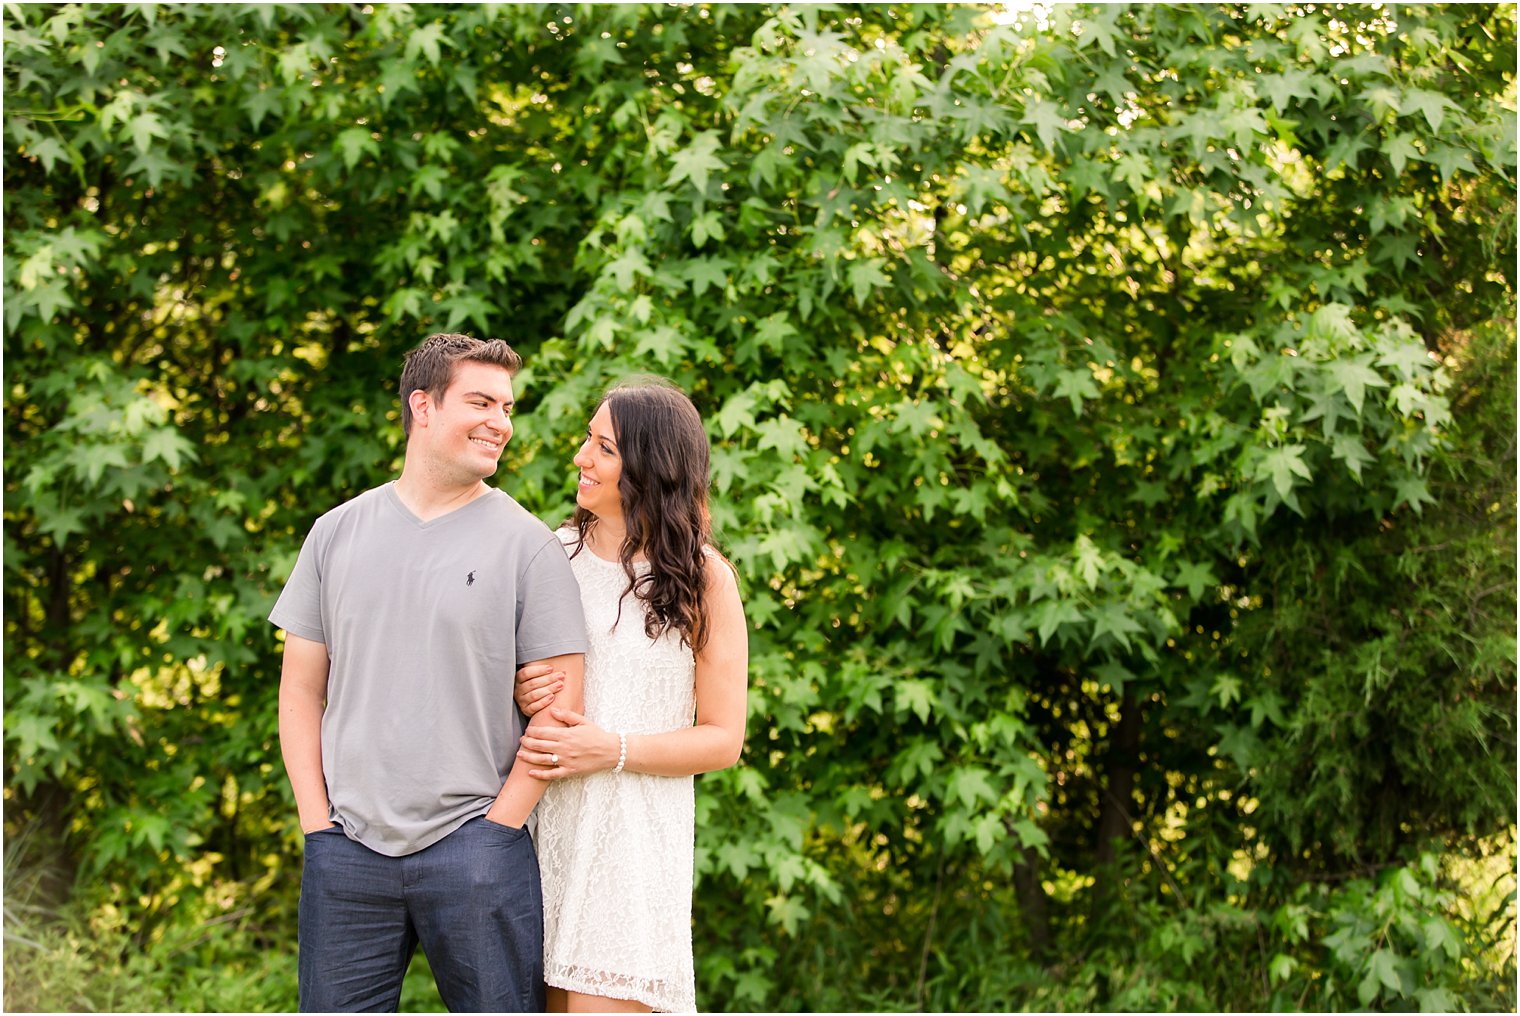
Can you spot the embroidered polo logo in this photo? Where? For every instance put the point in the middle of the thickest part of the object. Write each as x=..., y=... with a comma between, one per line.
x=469, y=579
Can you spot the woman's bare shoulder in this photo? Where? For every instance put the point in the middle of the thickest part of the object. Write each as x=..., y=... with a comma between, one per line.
x=720, y=572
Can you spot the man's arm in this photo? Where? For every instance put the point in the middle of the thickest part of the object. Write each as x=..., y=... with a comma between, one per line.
x=521, y=793
x=303, y=696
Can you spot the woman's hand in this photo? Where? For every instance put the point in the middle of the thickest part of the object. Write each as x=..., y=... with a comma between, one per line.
x=536, y=686
x=578, y=748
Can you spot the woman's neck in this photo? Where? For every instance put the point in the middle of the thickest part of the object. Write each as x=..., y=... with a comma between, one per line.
x=606, y=537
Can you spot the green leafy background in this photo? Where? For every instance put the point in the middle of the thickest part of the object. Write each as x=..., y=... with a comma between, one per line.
x=1113, y=424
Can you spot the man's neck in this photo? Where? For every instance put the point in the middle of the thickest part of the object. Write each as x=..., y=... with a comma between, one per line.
x=429, y=500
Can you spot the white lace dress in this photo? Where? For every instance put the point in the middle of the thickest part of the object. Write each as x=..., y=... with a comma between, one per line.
x=615, y=852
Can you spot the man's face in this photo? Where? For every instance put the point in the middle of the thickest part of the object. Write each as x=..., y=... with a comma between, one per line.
x=466, y=430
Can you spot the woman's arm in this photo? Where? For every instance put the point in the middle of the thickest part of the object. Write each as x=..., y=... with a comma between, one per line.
x=713, y=742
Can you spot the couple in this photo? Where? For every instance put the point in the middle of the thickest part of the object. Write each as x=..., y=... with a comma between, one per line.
x=405, y=617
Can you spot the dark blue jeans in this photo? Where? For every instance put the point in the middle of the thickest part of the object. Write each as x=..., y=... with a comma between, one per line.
x=472, y=900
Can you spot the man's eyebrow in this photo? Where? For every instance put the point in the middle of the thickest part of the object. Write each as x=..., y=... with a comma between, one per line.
x=489, y=398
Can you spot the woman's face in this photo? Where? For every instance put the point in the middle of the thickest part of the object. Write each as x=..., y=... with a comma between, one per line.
x=600, y=467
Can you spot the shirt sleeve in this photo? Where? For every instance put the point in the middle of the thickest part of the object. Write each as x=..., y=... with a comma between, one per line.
x=299, y=608
x=549, y=617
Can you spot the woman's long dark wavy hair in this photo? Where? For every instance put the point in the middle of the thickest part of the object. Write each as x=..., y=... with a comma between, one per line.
x=663, y=488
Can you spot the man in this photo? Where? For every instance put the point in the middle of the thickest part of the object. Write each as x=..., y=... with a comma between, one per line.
x=407, y=614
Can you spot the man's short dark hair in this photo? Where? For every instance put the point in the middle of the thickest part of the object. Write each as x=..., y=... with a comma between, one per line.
x=430, y=367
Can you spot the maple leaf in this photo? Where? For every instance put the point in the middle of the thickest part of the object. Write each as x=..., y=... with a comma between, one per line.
x=705, y=272
x=48, y=151
x=972, y=785
x=1285, y=89
x=395, y=77
x=427, y=40
x=259, y=103
x=468, y=306
x=144, y=127
x=1400, y=149
x=1195, y=578
x=1282, y=464
x=1410, y=358
x=168, y=445
x=1348, y=448
x=1114, y=620
x=1411, y=490
x=773, y=332
x=783, y=434
x=1046, y=118
x=628, y=264
x=1450, y=160
x=1354, y=377
x=866, y=275
x=1433, y=105
x=95, y=459
x=156, y=166
x=1076, y=385
x=915, y=696
x=696, y=161
x=353, y=143
x=1053, y=614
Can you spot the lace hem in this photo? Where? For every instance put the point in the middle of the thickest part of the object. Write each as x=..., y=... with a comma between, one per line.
x=659, y=995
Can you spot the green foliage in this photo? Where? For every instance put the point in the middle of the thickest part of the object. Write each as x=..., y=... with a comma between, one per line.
x=198, y=968
x=1402, y=688
x=83, y=955
x=1113, y=420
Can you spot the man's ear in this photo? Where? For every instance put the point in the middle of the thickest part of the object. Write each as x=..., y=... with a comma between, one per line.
x=420, y=404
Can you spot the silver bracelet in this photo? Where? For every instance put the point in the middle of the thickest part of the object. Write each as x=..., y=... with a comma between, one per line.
x=622, y=753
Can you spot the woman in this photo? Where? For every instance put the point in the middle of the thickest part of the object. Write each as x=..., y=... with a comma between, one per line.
x=667, y=641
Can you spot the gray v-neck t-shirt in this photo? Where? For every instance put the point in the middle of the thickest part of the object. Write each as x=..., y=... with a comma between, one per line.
x=425, y=624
